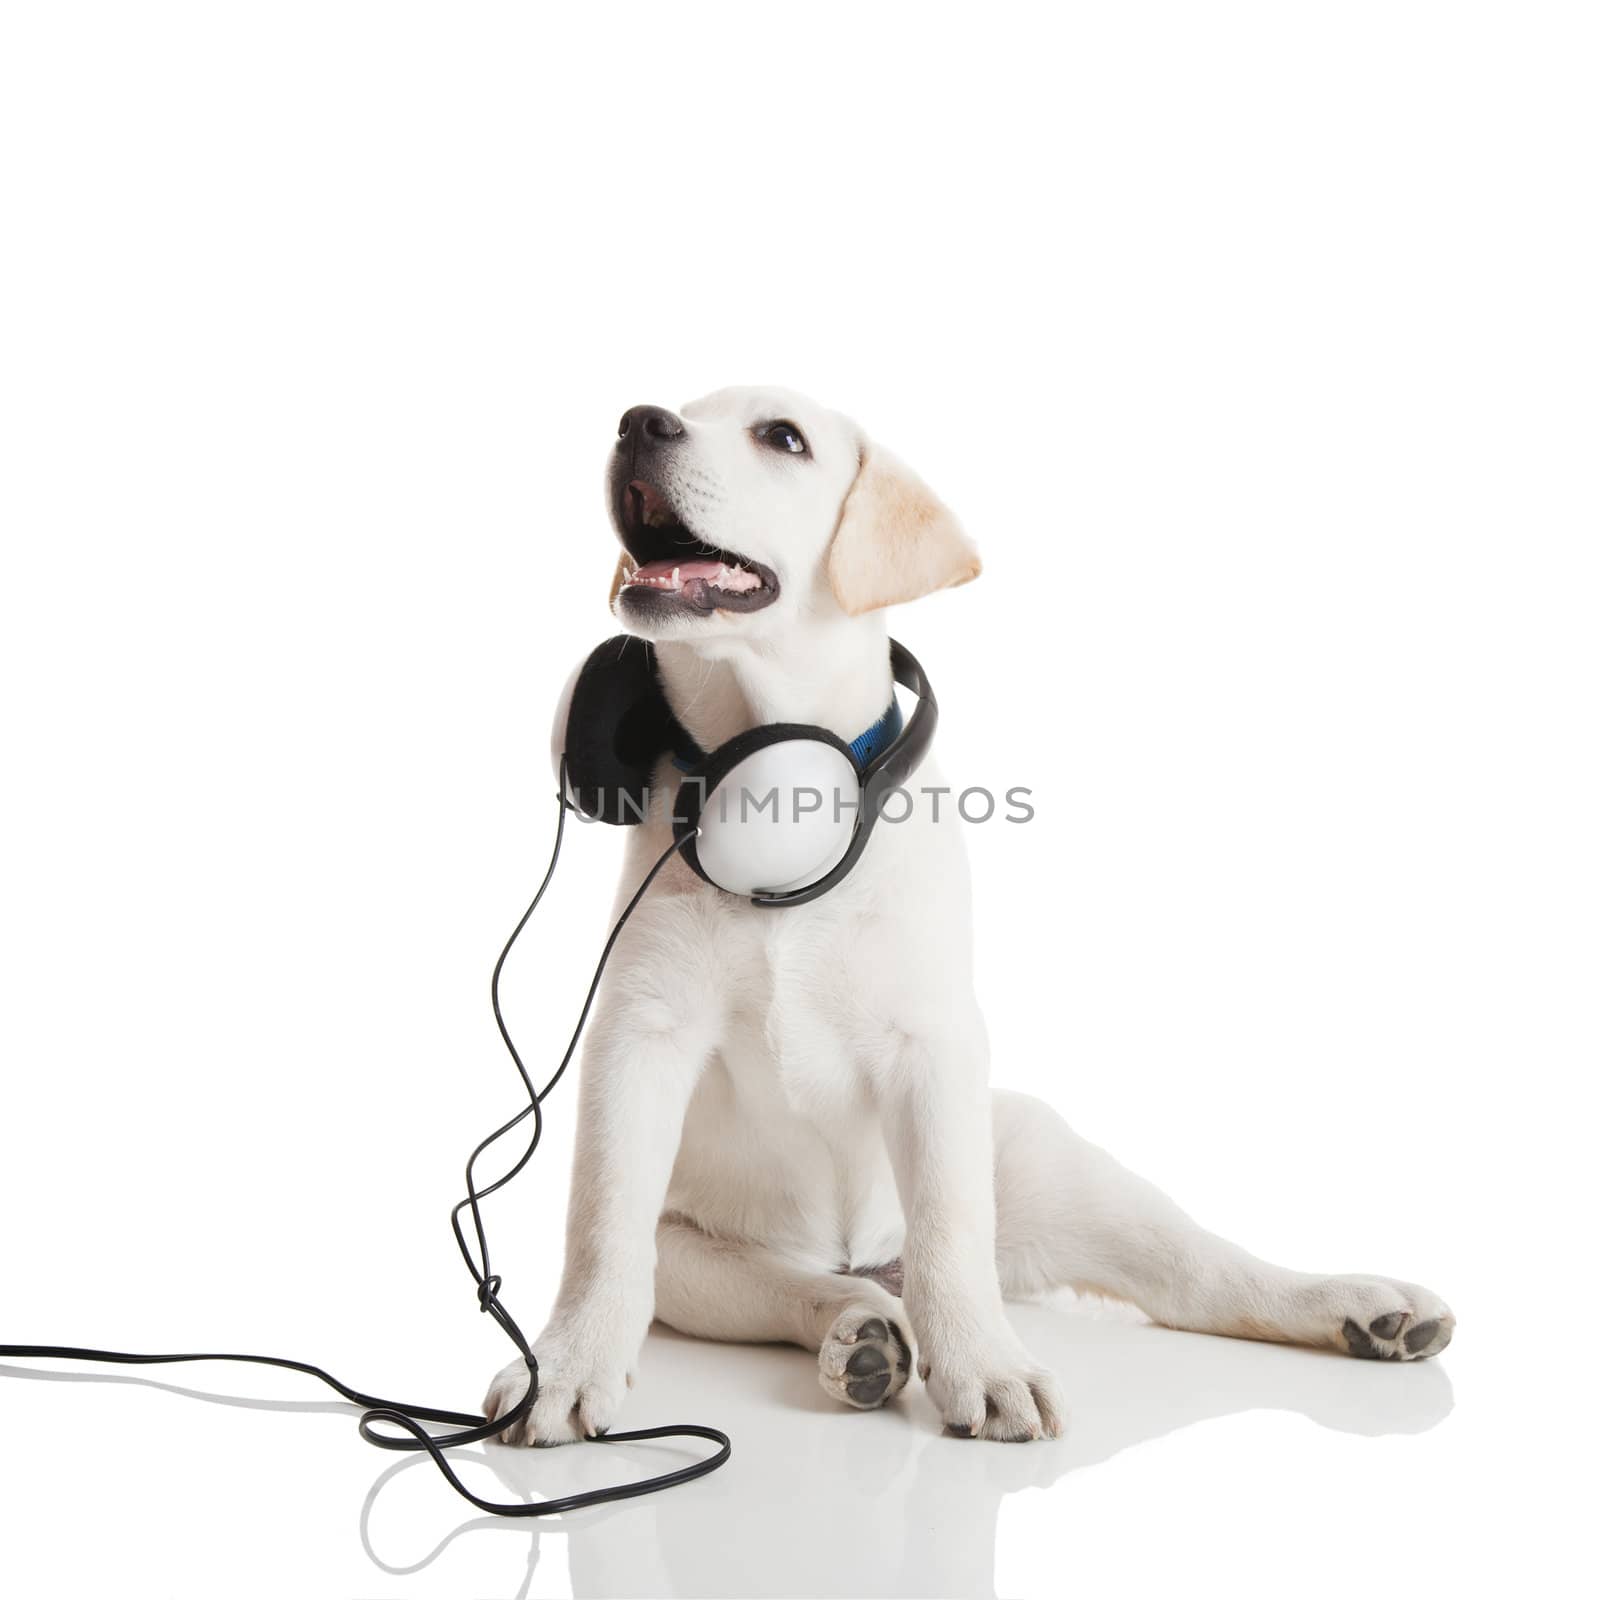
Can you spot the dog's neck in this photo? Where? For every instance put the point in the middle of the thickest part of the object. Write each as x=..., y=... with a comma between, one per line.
x=841, y=681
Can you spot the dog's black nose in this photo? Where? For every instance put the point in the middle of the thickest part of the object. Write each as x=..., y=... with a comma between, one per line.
x=649, y=424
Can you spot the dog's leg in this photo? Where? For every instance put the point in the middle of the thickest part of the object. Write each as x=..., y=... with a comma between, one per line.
x=1069, y=1216
x=934, y=1100
x=655, y=1030
x=725, y=1289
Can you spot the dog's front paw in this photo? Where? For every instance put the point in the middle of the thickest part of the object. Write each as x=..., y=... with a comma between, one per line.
x=577, y=1397
x=990, y=1393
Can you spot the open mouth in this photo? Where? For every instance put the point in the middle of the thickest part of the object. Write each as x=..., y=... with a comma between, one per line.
x=668, y=565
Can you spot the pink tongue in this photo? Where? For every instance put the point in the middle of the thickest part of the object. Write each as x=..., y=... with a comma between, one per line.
x=685, y=569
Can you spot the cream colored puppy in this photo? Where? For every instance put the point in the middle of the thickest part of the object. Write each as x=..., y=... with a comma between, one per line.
x=785, y=1125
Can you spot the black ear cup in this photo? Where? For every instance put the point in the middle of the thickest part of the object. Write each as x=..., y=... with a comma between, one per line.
x=617, y=726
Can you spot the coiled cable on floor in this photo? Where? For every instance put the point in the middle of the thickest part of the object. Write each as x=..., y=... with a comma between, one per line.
x=470, y=1429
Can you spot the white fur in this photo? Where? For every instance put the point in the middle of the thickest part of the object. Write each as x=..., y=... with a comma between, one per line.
x=772, y=1097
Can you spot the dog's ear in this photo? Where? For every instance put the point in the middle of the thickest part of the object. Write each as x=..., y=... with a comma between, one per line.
x=896, y=540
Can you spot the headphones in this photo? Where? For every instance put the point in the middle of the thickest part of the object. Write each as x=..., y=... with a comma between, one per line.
x=778, y=815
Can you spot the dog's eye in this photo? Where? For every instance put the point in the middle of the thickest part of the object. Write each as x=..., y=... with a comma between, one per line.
x=782, y=436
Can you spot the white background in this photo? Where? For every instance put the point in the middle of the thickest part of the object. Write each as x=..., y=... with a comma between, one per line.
x=1256, y=346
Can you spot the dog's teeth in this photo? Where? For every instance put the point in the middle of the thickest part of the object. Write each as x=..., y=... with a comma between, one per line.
x=675, y=578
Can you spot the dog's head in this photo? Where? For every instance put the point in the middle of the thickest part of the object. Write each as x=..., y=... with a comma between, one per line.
x=753, y=507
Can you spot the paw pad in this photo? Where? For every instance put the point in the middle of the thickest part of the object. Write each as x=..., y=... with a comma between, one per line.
x=868, y=1378
x=1394, y=1337
x=1423, y=1335
x=864, y=1363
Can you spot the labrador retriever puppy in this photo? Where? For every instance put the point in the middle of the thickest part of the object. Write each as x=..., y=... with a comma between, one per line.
x=785, y=1126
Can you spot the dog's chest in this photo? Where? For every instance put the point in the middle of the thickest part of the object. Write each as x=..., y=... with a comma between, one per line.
x=786, y=1039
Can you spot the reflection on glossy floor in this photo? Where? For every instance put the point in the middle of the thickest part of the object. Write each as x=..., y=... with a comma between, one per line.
x=825, y=1505
x=819, y=1501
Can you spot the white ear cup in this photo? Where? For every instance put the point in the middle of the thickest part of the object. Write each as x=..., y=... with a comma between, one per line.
x=781, y=819
x=558, y=728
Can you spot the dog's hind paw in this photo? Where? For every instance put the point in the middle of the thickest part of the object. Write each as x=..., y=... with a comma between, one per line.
x=1392, y=1321
x=865, y=1360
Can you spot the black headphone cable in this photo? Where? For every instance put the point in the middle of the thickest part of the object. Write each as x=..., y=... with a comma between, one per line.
x=470, y=1429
